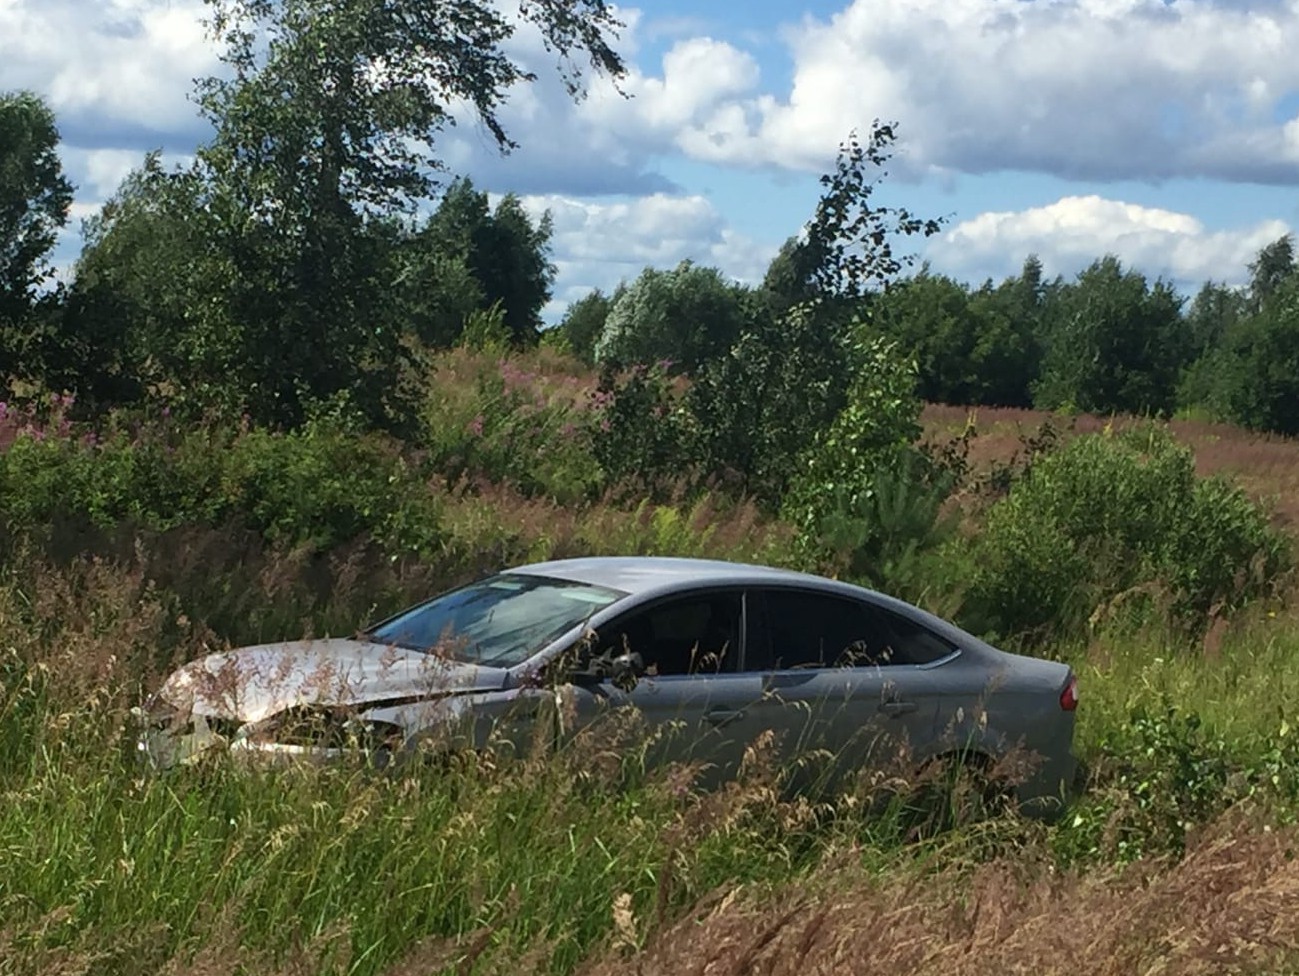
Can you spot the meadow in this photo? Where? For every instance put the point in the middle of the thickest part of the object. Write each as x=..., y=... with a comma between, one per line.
x=131, y=543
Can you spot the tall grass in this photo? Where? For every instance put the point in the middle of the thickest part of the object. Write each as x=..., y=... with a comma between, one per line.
x=1175, y=858
x=581, y=861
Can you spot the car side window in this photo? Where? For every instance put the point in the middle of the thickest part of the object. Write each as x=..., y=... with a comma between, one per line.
x=904, y=641
x=687, y=635
x=802, y=629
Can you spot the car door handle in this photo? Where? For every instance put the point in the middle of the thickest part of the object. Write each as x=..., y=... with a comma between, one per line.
x=898, y=707
x=720, y=716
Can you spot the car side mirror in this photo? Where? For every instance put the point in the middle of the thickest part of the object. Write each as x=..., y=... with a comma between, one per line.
x=622, y=670
x=626, y=670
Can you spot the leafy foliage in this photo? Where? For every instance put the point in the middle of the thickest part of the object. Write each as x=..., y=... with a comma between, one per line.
x=1254, y=375
x=756, y=409
x=360, y=90
x=1115, y=345
x=503, y=252
x=584, y=322
x=34, y=201
x=1118, y=523
x=642, y=434
x=839, y=481
x=686, y=317
x=848, y=247
x=790, y=373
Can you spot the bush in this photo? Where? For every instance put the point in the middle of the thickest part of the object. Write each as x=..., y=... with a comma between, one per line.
x=501, y=419
x=316, y=486
x=864, y=497
x=641, y=433
x=1118, y=522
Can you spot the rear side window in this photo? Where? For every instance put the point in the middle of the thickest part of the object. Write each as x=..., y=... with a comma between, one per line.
x=903, y=641
x=802, y=629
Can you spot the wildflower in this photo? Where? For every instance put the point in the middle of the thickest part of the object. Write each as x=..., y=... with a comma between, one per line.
x=475, y=426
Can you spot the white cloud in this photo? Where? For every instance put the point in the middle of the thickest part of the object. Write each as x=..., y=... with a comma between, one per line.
x=1097, y=89
x=1084, y=89
x=597, y=244
x=1074, y=231
x=609, y=141
x=109, y=65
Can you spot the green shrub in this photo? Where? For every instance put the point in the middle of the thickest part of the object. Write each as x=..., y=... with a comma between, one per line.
x=1118, y=523
x=321, y=488
x=640, y=430
x=315, y=487
x=499, y=419
x=864, y=497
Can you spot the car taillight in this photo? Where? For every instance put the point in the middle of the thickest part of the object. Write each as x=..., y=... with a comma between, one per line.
x=1069, y=697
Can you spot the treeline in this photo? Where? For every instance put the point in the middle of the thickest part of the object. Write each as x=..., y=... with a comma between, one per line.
x=1109, y=341
x=250, y=283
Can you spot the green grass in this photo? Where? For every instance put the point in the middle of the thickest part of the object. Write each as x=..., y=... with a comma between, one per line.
x=108, y=870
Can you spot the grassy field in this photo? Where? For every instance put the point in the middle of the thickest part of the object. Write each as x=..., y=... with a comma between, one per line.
x=1179, y=857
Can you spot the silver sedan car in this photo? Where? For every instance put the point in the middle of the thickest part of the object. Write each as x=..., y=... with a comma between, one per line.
x=710, y=655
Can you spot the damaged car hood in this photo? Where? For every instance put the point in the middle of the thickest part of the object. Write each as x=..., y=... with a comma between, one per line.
x=253, y=683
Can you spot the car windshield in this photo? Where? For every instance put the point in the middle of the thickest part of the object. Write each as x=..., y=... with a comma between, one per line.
x=500, y=621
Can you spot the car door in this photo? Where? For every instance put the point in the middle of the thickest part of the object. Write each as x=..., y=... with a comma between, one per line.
x=846, y=683
x=691, y=700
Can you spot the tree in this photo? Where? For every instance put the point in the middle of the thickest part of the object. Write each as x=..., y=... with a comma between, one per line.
x=434, y=290
x=504, y=250
x=34, y=202
x=929, y=316
x=143, y=308
x=790, y=373
x=687, y=316
x=584, y=321
x=788, y=280
x=336, y=103
x=1212, y=315
x=1256, y=372
x=325, y=122
x=1274, y=264
x=1116, y=344
x=1007, y=357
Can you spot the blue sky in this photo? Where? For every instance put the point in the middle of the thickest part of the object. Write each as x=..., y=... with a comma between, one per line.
x=1164, y=131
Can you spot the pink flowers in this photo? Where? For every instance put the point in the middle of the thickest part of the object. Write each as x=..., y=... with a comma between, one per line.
x=475, y=426
x=514, y=377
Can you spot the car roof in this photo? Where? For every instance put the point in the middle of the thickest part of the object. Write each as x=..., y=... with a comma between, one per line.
x=639, y=575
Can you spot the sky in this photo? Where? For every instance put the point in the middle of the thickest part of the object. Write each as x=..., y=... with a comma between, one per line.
x=1165, y=132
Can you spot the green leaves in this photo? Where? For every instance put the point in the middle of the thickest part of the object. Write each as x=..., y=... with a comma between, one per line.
x=1118, y=525
x=1114, y=344
x=863, y=496
x=1253, y=379
x=688, y=316
x=34, y=202
x=849, y=245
